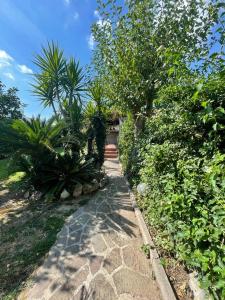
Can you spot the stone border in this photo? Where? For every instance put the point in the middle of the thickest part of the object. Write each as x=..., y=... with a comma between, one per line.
x=197, y=292
x=166, y=290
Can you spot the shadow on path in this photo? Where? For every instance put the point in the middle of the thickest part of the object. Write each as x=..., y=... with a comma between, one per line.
x=97, y=254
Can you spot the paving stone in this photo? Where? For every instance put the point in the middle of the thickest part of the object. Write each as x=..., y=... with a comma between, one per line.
x=73, y=249
x=75, y=227
x=82, y=294
x=61, y=242
x=72, y=263
x=38, y=290
x=128, y=297
x=50, y=268
x=104, y=207
x=66, y=291
x=136, y=260
x=82, y=219
x=119, y=239
x=101, y=289
x=113, y=260
x=63, y=232
x=74, y=238
x=95, y=263
x=90, y=206
x=108, y=238
x=98, y=243
x=134, y=284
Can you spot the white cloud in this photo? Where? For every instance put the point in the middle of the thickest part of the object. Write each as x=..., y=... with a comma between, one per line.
x=96, y=14
x=24, y=69
x=5, y=59
x=91, y=41
x=4, y=55
x=76, y=16
x=4, y=64
x=67, y=2
x=9, y=75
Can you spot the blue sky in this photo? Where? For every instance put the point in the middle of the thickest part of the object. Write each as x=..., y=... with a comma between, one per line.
x=26, y=25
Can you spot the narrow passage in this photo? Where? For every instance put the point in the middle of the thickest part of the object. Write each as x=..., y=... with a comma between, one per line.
x=98, y=252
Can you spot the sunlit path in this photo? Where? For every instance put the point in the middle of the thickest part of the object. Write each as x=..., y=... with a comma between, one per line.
x=97, y=254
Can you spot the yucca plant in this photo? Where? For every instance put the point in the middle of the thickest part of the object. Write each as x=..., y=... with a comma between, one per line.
x=60, y=84
x=58, y=81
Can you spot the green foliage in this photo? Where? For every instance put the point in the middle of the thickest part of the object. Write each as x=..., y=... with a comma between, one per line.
x=146, y=249
x=158, y=61
x=10, y=104
x=99, y=126
x=46, y=154
x=126, y=143
x=51, y=153
x=10, y=108
x=96, y=113
x=60, y=82
x=146, y=44
x=182, y=160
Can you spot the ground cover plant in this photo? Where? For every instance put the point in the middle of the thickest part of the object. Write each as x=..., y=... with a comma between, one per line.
x=166, y=74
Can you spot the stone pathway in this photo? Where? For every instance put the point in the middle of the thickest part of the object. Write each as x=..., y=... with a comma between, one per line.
x=97, y=255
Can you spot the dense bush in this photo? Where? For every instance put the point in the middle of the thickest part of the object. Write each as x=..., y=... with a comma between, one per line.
x=96, y=113
x=126, y=143
x=48, y=154
x=181, y=158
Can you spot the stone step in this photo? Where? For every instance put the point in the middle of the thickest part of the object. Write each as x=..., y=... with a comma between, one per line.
x=110, y=146
x=111, y=151
x=111, y=155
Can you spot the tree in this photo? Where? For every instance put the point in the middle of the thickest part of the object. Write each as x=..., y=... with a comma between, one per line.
x=10, y=104
x=59, y=83
x=145, y=45
x=95, y=113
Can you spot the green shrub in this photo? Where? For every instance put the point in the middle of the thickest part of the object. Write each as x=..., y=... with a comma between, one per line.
x=45, y=151
x=126, y=142
x=186, y=204
x=181, y=157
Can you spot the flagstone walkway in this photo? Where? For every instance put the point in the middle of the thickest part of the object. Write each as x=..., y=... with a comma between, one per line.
x=97, y=255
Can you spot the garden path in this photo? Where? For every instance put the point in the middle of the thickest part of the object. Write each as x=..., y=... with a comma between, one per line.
x=97, y=254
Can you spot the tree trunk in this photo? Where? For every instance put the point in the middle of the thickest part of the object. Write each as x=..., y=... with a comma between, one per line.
x=54, y=109
x=139, y=123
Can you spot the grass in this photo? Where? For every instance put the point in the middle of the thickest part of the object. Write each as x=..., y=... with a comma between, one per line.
x=9, y=178
x=27, y=234
x=28, y=229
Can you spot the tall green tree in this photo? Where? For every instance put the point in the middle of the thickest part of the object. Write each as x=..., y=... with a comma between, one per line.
x=145, y=44
x=11, y=106
x=95, y=113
